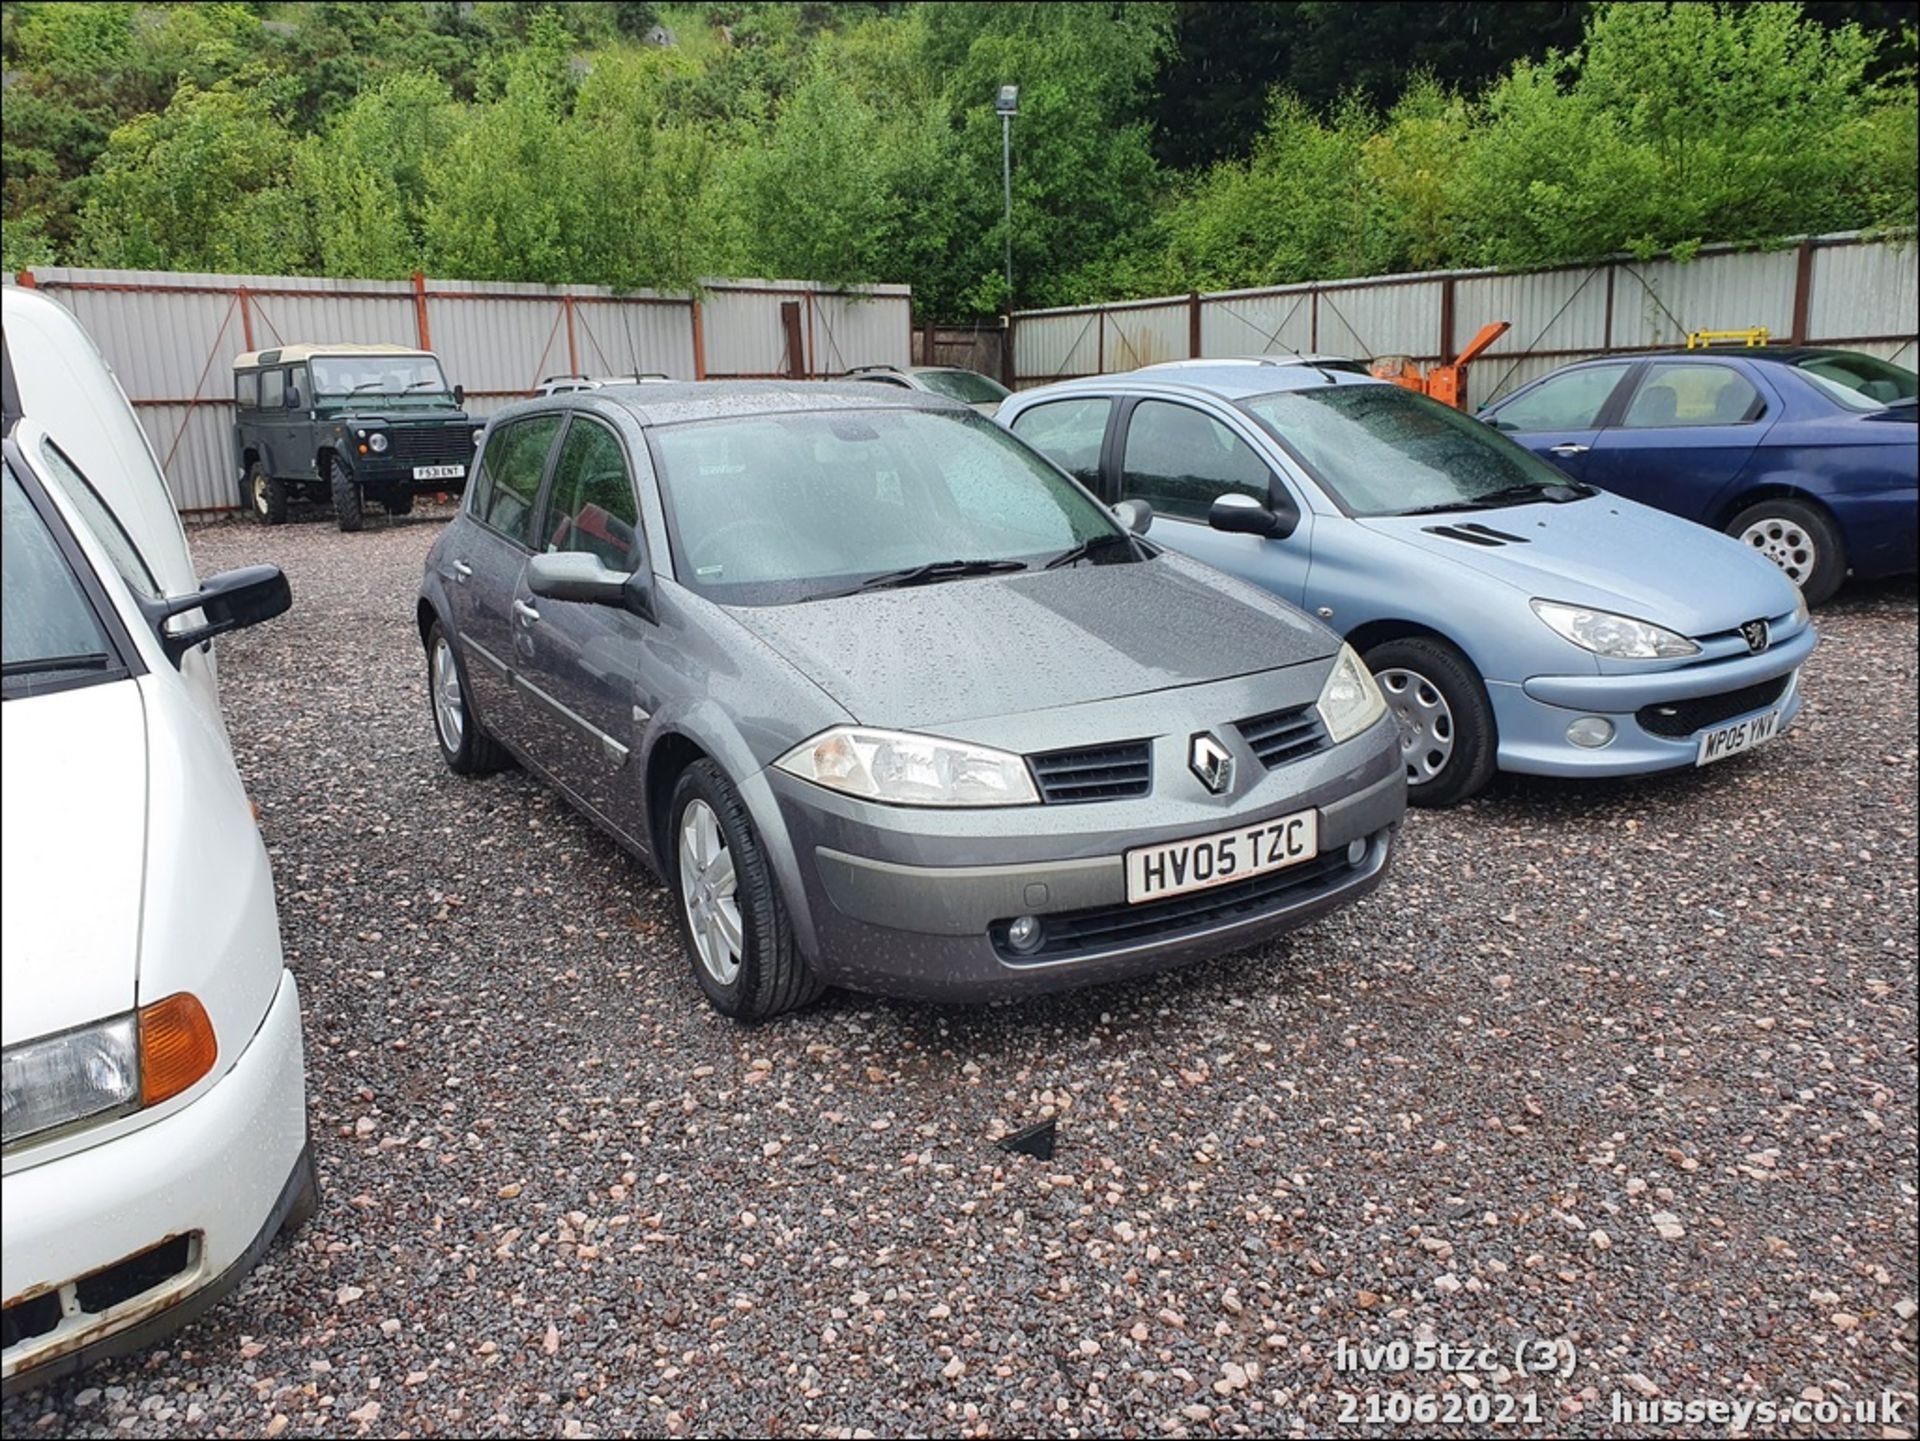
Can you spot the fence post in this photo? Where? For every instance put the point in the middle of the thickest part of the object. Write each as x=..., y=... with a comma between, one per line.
x=1802, y=290
x=1009, y=371
x=246, y=318
x=1100, y=342
x=699, y=339
x=1193, y=323
x=422, y=333
x=1606, y=327
x=573, y=351
x=1313, y=321
x=1446, y=321
x=26, y=280
x=796, y=349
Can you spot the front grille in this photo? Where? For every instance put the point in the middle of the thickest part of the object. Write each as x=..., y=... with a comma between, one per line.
x=1103, y=928
x=1284, y=735
x=1094, y=773
x=95, y=1294
x=1681, y=718
x=433, y=444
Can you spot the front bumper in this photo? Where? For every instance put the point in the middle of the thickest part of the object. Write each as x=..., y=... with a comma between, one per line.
x=1532, y=717
x=909, y=903
x=222, y=1174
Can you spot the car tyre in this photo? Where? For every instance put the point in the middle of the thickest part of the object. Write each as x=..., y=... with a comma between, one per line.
x=1799, y=538
x=1447, y=734
x=738, y=935
x=306, y=1199
x=266, y=496
x=464, y=743
x=348, y=507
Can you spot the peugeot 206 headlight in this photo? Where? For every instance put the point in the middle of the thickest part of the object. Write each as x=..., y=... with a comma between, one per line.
x=1350, y=701
x=61, y=1080
x=1619, y=637
x=910, y=770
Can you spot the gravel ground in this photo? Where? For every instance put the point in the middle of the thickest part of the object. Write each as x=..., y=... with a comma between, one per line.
x=1627, y=1067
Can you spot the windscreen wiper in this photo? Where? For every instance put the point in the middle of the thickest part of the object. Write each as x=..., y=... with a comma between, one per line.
x=932, y=572
x=1443, y=507
x=415, y=385
x=1088, y=547
x=47, y=664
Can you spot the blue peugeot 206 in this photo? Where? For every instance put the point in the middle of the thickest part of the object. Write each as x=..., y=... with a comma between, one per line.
x=1516, y=619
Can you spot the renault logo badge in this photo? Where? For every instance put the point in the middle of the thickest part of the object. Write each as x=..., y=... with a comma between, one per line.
x=1757, y=636
x=1211, y=761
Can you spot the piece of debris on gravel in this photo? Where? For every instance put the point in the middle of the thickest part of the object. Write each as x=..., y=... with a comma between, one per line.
x=1625, y=1069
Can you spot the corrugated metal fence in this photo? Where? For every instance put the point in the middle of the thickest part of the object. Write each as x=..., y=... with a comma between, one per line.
x=171, y=339
x=1840, y=290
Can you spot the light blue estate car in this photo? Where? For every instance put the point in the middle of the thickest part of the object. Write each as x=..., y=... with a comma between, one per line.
x=1517, y=620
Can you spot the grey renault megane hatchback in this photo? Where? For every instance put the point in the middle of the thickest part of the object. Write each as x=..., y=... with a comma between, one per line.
x=889, y=700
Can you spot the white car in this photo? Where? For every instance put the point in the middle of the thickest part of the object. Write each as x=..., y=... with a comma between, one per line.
x=153, y=1131
x=1344, y=363
x=564, y=384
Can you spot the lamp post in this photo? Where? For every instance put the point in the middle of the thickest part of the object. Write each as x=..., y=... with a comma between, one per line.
x=1007, y=104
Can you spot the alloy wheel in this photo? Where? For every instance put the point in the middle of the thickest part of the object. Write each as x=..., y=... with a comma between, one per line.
x=1784, y=543
x=708, y=890
x=448, y=710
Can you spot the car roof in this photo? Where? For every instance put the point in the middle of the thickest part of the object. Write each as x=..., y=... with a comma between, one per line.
x=1777, y=354
x=1228, y=382
x=287, y=354
x=668, y=403
x=1285, y=358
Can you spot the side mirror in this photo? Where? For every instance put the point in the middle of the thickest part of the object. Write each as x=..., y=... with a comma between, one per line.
x=459, y=395
x=232, y=600
x=1135, y=515
x=575, y=575
x=1243, y=515
x=293, y=397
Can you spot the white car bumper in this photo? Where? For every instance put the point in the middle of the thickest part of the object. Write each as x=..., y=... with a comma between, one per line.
x=107, y=1248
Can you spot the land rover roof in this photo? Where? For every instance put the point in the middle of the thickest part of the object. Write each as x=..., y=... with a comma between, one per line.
x=289, y=354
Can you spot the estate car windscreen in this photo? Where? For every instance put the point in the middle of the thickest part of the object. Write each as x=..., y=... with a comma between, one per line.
x=384, y=375
x=772, y=509
x=1382, y=450
x=51, y=636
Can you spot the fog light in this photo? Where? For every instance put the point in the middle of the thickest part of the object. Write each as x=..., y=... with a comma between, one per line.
x=1590, y=731
x=1356, y=851
x=1024, y=934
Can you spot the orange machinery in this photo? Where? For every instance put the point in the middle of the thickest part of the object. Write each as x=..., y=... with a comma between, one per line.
x=1445, y=383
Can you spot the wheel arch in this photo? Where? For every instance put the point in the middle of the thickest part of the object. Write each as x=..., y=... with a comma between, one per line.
x=668, y=758
x=1769, y=489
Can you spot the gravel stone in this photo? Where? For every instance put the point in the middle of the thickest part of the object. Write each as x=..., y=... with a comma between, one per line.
x=1573, y=1007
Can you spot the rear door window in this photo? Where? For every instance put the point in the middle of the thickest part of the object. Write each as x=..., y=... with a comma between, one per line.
x=246, y=389
x=1684, y=394
x=1069, y=433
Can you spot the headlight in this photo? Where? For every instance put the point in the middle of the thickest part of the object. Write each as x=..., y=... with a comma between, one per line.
x=478, y=432
x=910, y=770
x=82, y=1075
x=1619, y=636
x=377, y=443
x=106, y=1069
x=1350, y=701
x=1800, y=614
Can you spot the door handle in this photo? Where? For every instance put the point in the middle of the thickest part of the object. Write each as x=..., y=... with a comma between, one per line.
x=461, y=570
x=528, y=615
x=1569, y=447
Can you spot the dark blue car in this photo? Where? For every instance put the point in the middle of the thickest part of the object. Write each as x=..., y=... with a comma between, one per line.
x=1807, y=455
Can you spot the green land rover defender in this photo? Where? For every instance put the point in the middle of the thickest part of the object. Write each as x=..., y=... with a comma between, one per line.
x=345, y=424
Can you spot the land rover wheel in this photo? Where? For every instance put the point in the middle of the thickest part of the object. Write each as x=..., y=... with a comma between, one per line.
x=347, y=502
x=267, y=495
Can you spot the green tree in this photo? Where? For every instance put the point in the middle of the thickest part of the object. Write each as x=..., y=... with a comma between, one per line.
x=199, y=186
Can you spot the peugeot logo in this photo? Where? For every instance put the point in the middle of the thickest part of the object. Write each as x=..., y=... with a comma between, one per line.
x=1757, y=635
x=1211, y=761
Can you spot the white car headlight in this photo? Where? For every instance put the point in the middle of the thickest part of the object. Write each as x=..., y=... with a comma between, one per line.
x=377, y=443
x=1350, y=701
x=81, y=1075
x=911, y=770
x=1620, y=637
